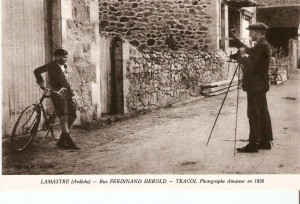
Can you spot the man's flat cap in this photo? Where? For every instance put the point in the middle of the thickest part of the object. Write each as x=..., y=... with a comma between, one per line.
x=257, y=26
x=60, y=52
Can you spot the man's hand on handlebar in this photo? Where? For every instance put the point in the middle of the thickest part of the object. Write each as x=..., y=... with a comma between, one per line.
x=48, y=91
x=52, y=92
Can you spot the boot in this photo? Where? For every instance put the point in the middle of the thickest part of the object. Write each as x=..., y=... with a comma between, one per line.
x=70, y=143
x=264, y=145
x=249, y=148
x=61, y=143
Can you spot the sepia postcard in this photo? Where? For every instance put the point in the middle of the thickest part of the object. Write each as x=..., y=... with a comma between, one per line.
x=150, y=94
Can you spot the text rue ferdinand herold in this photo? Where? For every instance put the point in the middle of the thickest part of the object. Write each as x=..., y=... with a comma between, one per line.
x=152, y=181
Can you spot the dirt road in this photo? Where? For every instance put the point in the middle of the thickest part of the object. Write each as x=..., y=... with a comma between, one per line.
x=173, y=141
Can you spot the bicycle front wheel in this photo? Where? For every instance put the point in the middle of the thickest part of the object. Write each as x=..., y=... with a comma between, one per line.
x=25, y=128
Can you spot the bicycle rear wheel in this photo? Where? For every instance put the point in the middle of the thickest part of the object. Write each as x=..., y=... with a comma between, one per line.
x=25, y=128
x=55, y=127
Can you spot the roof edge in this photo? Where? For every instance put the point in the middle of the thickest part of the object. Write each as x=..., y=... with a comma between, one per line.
x=278, y=6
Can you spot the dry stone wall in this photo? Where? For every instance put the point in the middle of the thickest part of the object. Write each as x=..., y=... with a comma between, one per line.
x=160, y=78
x=143, y=22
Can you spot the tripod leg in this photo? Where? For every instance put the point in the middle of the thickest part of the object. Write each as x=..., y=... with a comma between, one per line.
x=222, y=104
x=237, y=109
x=228, y=66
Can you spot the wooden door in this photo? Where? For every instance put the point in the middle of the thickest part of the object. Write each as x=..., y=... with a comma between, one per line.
x=117, y=98
x=24, y=36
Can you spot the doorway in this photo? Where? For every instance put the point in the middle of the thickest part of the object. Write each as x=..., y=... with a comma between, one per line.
x=116, y=105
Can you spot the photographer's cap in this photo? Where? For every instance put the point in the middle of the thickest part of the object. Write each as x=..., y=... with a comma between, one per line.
x=257, y=26
x=60, y=52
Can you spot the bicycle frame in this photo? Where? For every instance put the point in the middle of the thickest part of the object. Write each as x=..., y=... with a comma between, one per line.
x=47, y=120
x=47, y=123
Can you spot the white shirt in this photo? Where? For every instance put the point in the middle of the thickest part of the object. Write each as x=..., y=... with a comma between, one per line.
x=64, y=70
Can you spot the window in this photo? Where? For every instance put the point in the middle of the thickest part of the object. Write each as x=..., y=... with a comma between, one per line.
x=234, y=22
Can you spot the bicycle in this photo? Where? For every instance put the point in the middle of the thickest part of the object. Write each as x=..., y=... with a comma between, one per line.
x=28, y=123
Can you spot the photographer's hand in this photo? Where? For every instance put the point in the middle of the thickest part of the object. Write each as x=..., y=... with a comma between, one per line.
x=232, y=34
x=242, y=52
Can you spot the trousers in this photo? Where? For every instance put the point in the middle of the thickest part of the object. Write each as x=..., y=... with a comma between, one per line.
x=259, y=117
x=64, y=104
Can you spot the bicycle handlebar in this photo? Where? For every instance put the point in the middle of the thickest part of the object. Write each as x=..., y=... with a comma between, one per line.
x=48, y=91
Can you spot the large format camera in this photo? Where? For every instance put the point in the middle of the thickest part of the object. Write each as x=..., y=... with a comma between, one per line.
x=234, y=56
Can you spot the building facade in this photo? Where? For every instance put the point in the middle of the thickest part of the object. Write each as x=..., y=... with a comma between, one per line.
x=124, y=55
x=283, y=19
x=31, y=30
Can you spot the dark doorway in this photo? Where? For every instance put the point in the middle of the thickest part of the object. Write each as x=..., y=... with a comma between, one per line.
x=117, y=99
x=279, y=39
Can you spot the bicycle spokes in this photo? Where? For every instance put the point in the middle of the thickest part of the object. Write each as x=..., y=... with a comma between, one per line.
x=25, y=128
x=28, y=126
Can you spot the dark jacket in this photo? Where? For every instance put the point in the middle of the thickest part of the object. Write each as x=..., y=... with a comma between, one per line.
x=256, y=66
x=56, y=77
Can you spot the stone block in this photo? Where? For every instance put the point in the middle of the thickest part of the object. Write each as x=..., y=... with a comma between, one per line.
x=135, y=87
x=150, y=89
x=94, y=13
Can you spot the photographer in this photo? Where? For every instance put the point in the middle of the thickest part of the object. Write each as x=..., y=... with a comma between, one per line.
x=255, y=82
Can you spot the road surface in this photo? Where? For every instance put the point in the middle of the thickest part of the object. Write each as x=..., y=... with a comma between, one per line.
x=173, y=141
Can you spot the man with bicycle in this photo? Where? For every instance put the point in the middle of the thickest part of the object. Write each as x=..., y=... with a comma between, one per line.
x=63, y=103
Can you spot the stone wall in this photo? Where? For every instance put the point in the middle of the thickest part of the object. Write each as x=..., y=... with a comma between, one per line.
x=170, y=51
x=159, y=78
x=143, y=22
x=78, y=32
